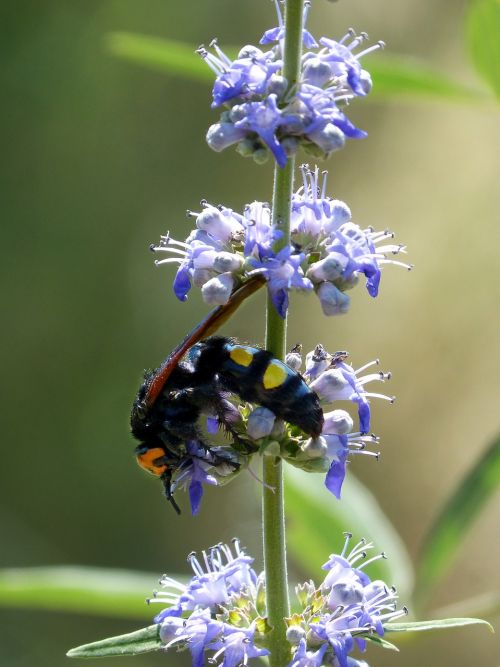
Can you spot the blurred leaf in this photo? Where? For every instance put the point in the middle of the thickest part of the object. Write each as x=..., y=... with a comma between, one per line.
x=383, y=643
x=486, y=605
x=317, y=520
x=392, y=75
x=458, y=513
x=483, y=36
x=116, y=593
x=133, y=643
x=395, y=76
x=165, y=55
x=439, y=624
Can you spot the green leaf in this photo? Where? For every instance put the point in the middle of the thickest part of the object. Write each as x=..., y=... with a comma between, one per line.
x=383, y=643
x=485, y=605
x=399, y=77
x=317, y=520
x=165, y=55
x=133, y=643
x=483, y=30
x=116, y=593
x=393, y=76
x=438, y=624
x=450, y=526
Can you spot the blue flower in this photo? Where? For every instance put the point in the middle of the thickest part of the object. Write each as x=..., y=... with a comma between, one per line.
x=340, y=382
x=219, y=615
x=352, y=608
x=308, y=658
x=219, y=575
x=278, y=34
x=266, y=111
x=264, y=118
x=282, y=272
x=237, y=646
x=329, y=252
x=197, y=633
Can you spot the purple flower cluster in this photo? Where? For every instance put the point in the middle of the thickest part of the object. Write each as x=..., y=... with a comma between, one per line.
x=334, y=380
x=344, y=612
x=328, y=252
x=338, y=250
x=210, y=614
x=264, y=113
x=220, y=615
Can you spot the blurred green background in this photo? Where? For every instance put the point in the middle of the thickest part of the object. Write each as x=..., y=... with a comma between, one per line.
x=100, y=157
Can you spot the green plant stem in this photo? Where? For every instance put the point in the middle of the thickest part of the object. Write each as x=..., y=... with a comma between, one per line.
x=273, y=506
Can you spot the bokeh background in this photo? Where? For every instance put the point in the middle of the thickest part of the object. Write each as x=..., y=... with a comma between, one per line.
x=99, y=158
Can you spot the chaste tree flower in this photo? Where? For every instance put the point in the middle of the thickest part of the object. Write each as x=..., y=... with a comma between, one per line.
x=328, y=251
x=220, y=614
x=263, y=113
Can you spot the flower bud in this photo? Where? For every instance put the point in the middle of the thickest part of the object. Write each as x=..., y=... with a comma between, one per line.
x=329, y=138
x=277, y=84
x=331, y=386
x=328, y=268
x=294, y=634
x=333, y=301
x=344, y=594
x=222, y=135
x=294, y=360
x=317, y=72
x=218, y=225
x=366, y=81
x=249, y=51
x=216, y=292
x=227, y=261
x=338, y=422
x=202, y=276
x=260, y=423
x=338, y=215
x=315, y=448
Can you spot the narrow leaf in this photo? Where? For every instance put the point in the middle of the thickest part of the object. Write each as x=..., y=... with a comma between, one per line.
x=104, y=592
x=438, y=624
x=485, y=605
x=457, y=515
x=395, y=76
x=133, y=643
x=392, y=75
x=483, y=31
x=165, y=55
x=383, y=643
x=317, y=521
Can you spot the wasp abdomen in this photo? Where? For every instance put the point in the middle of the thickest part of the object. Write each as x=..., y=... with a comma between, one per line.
x=258, y=377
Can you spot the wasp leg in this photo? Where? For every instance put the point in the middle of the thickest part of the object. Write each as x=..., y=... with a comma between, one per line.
x=166, y=478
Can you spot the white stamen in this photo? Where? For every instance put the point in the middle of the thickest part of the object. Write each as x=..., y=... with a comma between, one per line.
x=375, y=362
x=168, y=261
x=372, y=560
x=350, y=33
x=348, y=537
x=391, y=399
x=375, y=47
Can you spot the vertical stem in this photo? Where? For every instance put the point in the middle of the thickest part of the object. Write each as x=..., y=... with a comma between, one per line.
x=273, y=506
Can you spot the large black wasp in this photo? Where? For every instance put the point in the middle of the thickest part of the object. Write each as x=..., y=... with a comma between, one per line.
x=171, y=399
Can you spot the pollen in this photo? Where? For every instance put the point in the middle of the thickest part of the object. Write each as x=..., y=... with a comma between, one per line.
x=274, y=376
x=241, y=356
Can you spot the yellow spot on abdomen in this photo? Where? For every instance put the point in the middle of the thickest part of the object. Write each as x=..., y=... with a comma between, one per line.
x=274, y=376
x=241, y=356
